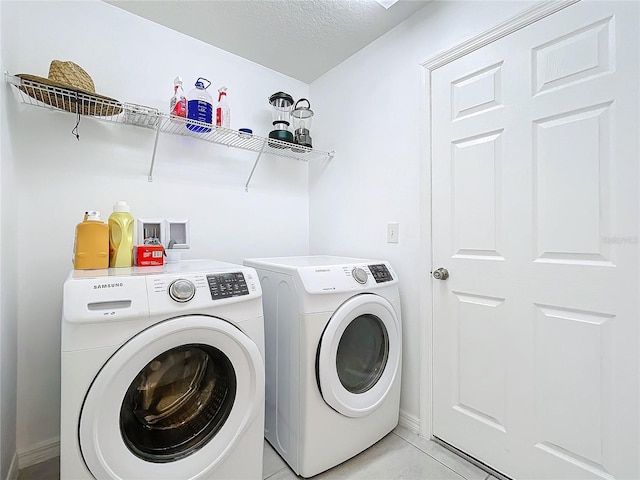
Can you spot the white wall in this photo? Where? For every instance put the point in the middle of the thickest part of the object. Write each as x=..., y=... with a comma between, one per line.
x=372, y=108
x=8, y=284
x=369, y=109
x=58, y=178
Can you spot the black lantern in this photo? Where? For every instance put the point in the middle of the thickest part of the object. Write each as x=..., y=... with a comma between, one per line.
x=281, y=103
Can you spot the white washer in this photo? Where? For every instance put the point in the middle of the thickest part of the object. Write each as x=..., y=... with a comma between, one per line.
x=163, y=373
x=333, y=339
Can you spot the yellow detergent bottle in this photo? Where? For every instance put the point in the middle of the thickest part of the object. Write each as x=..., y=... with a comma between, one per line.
x=120, y=236
x=91, y=250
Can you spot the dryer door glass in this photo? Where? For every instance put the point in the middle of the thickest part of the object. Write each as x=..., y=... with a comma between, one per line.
x=177, y=402
x=362, y=354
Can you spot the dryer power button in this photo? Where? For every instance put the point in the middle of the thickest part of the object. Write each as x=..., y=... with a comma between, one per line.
x=360, y=275
x=182, y=290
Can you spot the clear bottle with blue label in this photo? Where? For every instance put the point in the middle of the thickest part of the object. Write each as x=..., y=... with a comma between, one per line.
x=200, y=106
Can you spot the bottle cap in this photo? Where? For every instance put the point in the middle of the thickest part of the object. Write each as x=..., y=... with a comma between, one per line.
x=120, y=207
x=222, y=92
x=93, y=216
x=200, y=83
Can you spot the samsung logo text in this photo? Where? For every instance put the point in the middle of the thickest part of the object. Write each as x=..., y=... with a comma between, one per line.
x=108, y=285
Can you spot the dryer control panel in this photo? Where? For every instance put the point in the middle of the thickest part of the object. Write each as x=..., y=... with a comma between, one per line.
x=346, y=278
x=380, y=273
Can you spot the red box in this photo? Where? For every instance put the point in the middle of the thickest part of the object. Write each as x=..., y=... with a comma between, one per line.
x=149, y=255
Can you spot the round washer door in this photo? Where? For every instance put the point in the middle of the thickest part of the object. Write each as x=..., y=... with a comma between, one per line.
x=172, y=401
x=359, y=355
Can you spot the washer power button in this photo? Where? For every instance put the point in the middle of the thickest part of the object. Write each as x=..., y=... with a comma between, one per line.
x=360, y=275
x=182, y=290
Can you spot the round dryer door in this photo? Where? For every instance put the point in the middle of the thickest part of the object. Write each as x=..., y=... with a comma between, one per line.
x=172, y=401
x=359, y=355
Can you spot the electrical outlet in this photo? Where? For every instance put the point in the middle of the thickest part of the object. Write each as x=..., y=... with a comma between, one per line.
x=393, y=230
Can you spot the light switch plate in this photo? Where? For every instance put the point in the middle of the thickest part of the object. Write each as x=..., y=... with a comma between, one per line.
x=393, y=231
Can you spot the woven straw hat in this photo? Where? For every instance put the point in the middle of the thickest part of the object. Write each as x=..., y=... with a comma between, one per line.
x=71, y=77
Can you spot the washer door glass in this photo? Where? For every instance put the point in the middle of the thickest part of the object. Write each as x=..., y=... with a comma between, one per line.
x=359, y=355
x=362, y=354
x=177, y=402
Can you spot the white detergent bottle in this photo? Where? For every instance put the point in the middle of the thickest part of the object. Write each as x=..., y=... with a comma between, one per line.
x=223, y=112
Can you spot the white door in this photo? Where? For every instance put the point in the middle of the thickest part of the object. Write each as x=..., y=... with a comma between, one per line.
x=535, y=216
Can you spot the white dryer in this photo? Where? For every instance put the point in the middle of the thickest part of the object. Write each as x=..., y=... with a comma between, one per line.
x=163, y=373
x=333, y=339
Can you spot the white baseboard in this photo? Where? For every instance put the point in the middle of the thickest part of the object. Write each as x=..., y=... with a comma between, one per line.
x=39, y=452
x=410, y=422
x=12, y=474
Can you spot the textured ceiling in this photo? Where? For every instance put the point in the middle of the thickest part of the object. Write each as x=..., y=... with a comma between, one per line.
x=300, y=38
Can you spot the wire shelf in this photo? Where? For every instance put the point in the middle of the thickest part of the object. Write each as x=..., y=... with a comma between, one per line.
x=57, y=98
x=236, y=139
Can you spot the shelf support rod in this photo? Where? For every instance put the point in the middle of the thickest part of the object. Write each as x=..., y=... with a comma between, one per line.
x=155, y=147
x=255, y=164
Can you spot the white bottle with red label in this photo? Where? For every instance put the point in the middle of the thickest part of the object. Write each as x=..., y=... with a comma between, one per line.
x=178, y=103
x=223, y=112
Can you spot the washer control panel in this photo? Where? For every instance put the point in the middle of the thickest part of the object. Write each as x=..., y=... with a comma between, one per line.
x=225, y=285
x=193, y=290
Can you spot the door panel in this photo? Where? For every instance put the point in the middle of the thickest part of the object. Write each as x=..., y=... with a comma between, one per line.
x=535, y=215
x=482, y=372
x=579, y=375
x=569, y=228
x=476, y=166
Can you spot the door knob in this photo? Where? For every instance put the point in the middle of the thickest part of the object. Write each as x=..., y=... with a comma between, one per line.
x=441, y=274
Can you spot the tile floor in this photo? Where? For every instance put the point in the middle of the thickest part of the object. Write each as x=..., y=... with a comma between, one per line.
x=401, y=455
